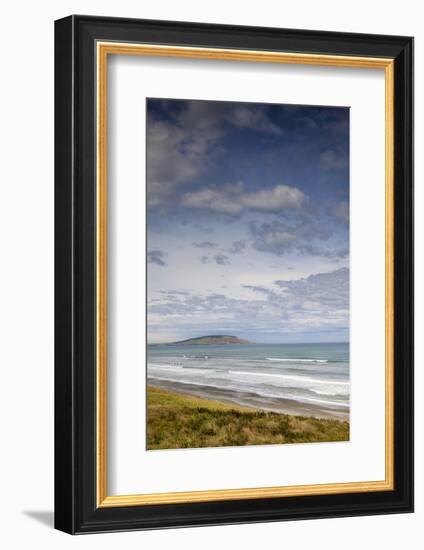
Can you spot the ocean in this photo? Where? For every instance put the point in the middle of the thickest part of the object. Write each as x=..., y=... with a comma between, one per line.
x=304, y=379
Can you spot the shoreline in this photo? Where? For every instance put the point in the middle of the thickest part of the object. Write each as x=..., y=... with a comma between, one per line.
x=184, y=421
x=251, y=401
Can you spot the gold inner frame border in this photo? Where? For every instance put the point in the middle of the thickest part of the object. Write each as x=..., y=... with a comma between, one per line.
x=103, y=50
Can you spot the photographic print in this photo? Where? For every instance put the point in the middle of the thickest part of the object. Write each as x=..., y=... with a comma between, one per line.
x=247, y=274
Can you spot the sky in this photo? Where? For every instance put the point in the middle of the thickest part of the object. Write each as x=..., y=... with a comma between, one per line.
x=247, y=221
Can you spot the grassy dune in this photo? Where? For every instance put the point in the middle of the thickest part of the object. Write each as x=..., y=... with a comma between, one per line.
x=176, y=421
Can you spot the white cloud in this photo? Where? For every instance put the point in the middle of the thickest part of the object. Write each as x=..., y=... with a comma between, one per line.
x=329, y=160
x=180, y=149
x=237, y=246
x=233, y=199
x=243, y=116
x=341, y=211
x=272, y=200
x=156, y=257
x=314, y=307
x=212, y=199
x=278, y=238
x=305, y=237
x=221, y=259
x=175, y=156
x=204, y=244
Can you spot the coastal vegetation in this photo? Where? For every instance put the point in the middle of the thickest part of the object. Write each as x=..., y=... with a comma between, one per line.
x=176, y=421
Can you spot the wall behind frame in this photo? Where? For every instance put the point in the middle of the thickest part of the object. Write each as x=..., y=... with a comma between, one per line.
x=26, y=274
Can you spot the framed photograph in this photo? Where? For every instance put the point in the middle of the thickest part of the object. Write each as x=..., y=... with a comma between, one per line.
x=233, y=274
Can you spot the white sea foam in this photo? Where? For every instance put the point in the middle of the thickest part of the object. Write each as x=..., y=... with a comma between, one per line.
x=259, y=393
x=322, y=402
x=292, y=377
x=164, y=366
x=295, y=360
x=328, y=393
x=250, y=375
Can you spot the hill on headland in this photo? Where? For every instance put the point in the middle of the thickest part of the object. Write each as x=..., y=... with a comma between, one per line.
x=213, y=339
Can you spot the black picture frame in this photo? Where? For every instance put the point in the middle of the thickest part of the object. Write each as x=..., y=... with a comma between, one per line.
x=76, y=510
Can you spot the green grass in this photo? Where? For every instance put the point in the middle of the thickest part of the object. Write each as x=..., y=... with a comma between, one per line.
x=176, y=421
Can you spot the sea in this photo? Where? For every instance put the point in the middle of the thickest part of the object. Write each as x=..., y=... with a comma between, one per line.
x=304, y=379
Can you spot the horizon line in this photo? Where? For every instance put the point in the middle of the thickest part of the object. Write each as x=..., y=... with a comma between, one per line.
x=250, y=342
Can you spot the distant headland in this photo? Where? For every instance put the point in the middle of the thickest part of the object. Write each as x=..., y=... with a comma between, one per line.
x=212, y=339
